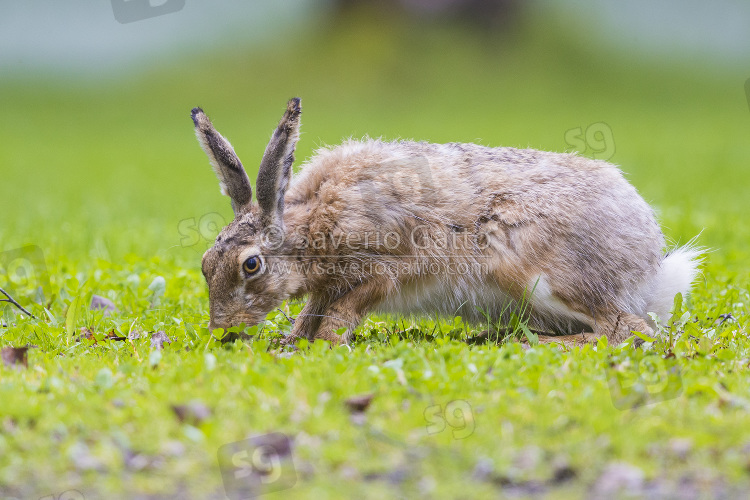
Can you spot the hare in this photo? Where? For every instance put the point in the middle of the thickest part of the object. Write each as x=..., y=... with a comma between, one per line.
x=452, y=229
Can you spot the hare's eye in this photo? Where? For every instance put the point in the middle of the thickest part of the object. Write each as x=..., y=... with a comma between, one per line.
x=251, y=265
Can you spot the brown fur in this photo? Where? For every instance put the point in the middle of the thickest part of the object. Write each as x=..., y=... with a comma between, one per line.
x=497, y=225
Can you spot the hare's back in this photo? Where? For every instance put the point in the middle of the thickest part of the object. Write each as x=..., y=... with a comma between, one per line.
x=457, y=176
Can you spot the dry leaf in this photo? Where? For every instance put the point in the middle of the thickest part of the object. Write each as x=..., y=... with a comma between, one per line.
x=193, y=413
x=158, y=339
x=358, y=404
x=89, y=335
x=98, y=302
x=280, y=443
x=15, y=356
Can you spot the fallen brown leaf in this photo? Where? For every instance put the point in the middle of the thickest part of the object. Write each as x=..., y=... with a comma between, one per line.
x=358, y=404
x=98, y=302
x=87, y=334
x=193, y=413
x=281, y=444
x=158, y=339
x=15, y=356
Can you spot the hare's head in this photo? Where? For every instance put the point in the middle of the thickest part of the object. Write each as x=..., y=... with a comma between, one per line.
x=241, y=287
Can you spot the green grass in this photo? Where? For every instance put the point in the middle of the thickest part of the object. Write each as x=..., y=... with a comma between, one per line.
x=102, y=177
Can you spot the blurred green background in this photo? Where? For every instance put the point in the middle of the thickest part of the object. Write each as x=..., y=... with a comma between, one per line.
x=98, y=153
x=101, y=172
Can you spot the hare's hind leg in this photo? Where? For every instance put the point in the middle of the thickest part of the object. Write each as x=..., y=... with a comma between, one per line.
x=617, y=328
x=623, y=327
x=579, y=339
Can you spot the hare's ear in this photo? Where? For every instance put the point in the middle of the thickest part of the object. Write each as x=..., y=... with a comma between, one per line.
x=276, y=167
x=233, y=179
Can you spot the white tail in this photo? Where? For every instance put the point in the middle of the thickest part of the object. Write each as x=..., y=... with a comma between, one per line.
x=676, y=274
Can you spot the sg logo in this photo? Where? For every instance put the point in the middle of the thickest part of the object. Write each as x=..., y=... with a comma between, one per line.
x=256, y=466
x=23, y=271
x=597, y=139
x=407, y=173
x=129, y=11
x=457, y=415
x=205, y=229
x=652, y=379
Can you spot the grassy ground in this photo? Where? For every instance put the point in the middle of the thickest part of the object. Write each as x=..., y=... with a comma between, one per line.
x=105, y=182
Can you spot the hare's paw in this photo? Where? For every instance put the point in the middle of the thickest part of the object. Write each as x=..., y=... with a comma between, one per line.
x=331, y=337
x=621, y=326
x=289, y=340
x=578, y=340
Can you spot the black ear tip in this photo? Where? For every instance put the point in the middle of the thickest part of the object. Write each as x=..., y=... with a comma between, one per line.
x=194, y=115
x=295, y=105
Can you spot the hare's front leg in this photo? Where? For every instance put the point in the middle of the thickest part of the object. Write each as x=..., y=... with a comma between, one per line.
x=307, y=321
x=348, y=310
x=323, y=315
